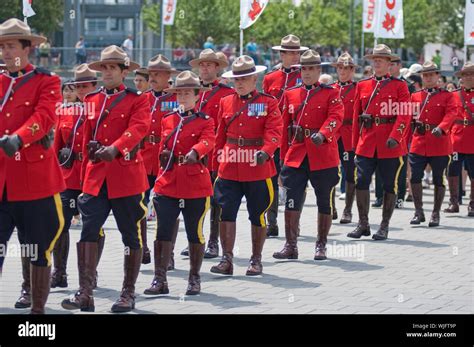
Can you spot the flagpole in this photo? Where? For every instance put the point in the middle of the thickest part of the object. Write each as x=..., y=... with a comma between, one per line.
x=241, y=41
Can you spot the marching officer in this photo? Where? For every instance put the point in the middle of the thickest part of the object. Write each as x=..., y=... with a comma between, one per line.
x=462, y=134
x=160, y=71
x=113, y=176
x=378, y=138
x=30, y=177
x=431, y=142
x=312, y=115
x=68, y=142
x=209, y=66
x=141, y=80
x=249, y=132
x=345, y=68
x=275, y=83
x=183, y=184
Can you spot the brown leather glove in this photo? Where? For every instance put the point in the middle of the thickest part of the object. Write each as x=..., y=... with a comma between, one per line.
x=318, y=139
x=437, y=132
x=391, y=143
x=191, y=158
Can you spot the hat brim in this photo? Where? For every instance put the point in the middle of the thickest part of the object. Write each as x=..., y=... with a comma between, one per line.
x=176, y=89
x=462, y=72
x=97, y=65
x=91, y=80
x=429, y=70
x=283, y=49
x=172, y=71
x=195, y=62
x=34, y=39
x=344, y=64
x=373, y=56
x=258, y=69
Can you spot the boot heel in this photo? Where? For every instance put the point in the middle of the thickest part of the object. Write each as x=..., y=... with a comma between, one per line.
x=88, y=309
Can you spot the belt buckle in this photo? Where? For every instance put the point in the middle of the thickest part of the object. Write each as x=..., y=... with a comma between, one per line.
x=377, y=121
x=427, y=126
x=180, y=159
x=79, y=156
x=240, y=142
x=465, y=122
x=152, y=139
x=307, y=132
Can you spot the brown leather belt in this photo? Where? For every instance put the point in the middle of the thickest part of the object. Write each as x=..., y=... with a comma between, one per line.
x=347, y=122
x=78, y=156
x=153, y=139
x=384, y=120
x=241, y=142
x=464, y=122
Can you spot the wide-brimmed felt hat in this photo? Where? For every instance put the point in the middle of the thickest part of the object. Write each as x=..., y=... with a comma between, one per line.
x=468, y=67
x=244, y=66
x=113, y=55
x=15, y=29
x=161, y=63
x=290, y=43
x=208, y=55
x=380, y=51
x=429, y=66
x=83, y=74
x=309, y=58
x=186, y=80
x=345, y=59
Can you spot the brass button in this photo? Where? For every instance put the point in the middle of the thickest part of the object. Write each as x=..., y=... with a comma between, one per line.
x=8, y=115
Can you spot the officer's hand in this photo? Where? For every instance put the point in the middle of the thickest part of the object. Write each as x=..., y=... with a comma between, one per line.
x=10, y=144
x=391, y=143
x=107, y=153
x=261, y=157
x=191, y=157
x=318, y=139
x=437, y=132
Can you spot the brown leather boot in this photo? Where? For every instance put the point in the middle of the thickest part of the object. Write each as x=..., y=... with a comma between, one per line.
x=212, y=250
x=290, y=249
x=333, y=204
x=60, y=255
x=100, y=249
x=131, y=267
x=24, y=301
x=196, y=255
x=347, y=213
x=146, y=259
x=40, y=284
x=87, y=254
x=470, y=207
x=299, y=213
x=173, y=242
x=453, y=183
x=159, y=286
x=324, y=225
x=417, y=194
x=227, y=234
x=389, y=200
x=438, y=201
x=363, y=227
x=272, y=217
x=258, y=239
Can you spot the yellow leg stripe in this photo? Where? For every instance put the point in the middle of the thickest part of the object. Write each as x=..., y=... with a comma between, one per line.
x=201, y=220
x=355, y=173
x=139, y=226
x=59, y=211
x=271, y=194
x=330, y=199
x=398, y=174
x=101, y=232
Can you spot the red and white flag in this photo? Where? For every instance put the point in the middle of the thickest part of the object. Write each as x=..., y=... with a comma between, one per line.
x=27, y=9
x=250, y=10
x=469, y=23
x=389, y=19
x=168, y=10
x=369, y=12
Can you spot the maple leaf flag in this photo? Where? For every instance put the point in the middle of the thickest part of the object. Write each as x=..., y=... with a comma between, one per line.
x=369, y=13
x=168, y=11
x=27, y=9
x=250, y=11
x=469, y=23
x=389, y=19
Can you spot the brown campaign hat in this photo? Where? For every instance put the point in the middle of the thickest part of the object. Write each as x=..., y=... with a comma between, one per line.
x=429, y=66
x=468, y=67
x=186, y=80
x=380, y=51
x=82, y=74
x=15, y=29
x=243, y=66
x=223, y=57
x=290, y=43
x=345, y=59
x=113, y=55
x=210, y=56
x=160, y=63
x=309, y=58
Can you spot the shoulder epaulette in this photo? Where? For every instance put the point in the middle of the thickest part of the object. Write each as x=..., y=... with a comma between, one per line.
x=365, y=79
x=295, y=87
x=396, y=79
x=327, y=86
x=223, y=85
x=98, y=90
x=268, y=95
x=133, y=91
x=42, y=70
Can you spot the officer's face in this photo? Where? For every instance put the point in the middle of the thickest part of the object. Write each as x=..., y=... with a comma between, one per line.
x=289, y=58
x=345, y=73
x=14, y=55
x=208, y=71
x=245, y=85
x=69, y=93
x=310, y=74
x=187, y=99
x=430, y=79
x=381, y=66
x=82, y=89
x=112, y=76
x=395, y=69
x=140, y=83
x=468, y=80
x=159, y=80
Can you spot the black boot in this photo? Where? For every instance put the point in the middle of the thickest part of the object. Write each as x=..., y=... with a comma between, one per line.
x=363, y=227
x=438, y=201
x=60, y=255
x=417, y=193
x=389, y=200
x=470, y=208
